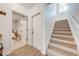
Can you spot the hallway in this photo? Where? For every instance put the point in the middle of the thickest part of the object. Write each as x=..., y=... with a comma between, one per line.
x=31, y=29
x=26, y=50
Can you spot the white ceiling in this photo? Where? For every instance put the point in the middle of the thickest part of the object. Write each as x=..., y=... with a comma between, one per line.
x=28, y=5
x=16, y=16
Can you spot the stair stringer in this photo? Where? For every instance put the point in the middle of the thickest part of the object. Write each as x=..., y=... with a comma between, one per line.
x=74, y=29
x=52, y=27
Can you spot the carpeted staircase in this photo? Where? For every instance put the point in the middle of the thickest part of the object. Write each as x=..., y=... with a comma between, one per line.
x=62, y=42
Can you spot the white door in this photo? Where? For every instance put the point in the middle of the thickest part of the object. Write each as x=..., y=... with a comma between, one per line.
x=37, y=31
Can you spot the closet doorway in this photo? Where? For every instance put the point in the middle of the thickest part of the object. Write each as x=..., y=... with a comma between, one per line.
x=19, y=30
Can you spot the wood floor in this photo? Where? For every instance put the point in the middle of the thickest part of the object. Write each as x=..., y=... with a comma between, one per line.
x=26, y=50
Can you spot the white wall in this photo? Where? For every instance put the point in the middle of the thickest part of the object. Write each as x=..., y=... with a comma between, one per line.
x=6, y=27
x=20, y=9
x=60, y=16
x=6, y=23
x=73, y=9
x=49, y=13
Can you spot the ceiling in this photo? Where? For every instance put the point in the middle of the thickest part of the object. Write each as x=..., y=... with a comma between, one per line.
x=16, y=16
x=28, y=5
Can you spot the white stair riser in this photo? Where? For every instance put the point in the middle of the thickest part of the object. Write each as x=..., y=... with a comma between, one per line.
x=64, y=44
x=64, y=52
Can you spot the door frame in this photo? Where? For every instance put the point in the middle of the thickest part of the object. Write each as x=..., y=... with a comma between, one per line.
x=12, y=48
x=32, y=27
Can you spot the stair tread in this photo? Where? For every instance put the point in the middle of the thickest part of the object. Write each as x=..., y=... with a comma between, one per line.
x=64, y=41
x=62, y=35
x=61, y=29
x=62, y=26
x=65, y=48
x=53, y=53
x=61, y=32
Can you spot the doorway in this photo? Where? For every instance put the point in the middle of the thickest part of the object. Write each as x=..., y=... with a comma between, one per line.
x=19, y=30
x=36, y=31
